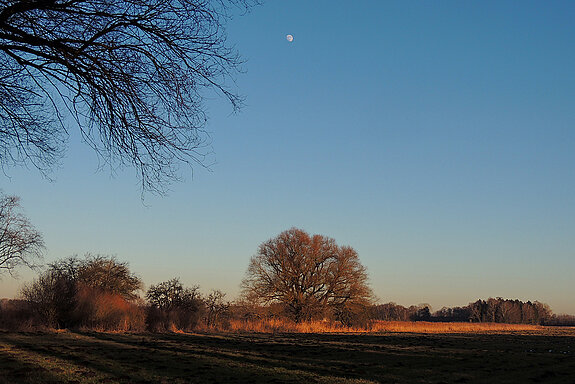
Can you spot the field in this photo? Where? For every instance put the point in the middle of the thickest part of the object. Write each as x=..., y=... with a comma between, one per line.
x=542, y=355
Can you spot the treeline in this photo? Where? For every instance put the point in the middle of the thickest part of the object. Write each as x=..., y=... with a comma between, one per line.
x=101, y=293
x=492, y=310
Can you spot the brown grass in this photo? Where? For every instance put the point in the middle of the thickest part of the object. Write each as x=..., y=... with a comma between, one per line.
x=428, y=327
x=284, y=326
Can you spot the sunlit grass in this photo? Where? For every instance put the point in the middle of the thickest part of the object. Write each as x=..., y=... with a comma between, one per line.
x=285, y=326
x=431, y=327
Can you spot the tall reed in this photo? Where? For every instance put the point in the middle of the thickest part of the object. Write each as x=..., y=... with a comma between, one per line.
x=377, y=326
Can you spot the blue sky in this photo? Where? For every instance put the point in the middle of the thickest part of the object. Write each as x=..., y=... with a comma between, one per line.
x=436, y=138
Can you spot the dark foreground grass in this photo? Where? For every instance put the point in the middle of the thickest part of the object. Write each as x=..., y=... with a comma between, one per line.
x=546, y=356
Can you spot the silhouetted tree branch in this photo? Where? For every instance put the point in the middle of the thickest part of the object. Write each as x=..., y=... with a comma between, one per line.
x=216, y=306
x=20, y=242
x=171, y=294
x=132, y=74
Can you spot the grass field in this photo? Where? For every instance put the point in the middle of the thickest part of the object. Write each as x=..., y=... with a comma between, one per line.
x=378, y=326
x=545, y=355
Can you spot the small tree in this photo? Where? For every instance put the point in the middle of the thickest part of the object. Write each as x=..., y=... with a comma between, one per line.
x=20, y=242
x=47, y=299
x=307, y=274
x=73, y=292
x=109, y=275
x=216, y=307
x=173, y=305
x=171, y=294
x=105, y=294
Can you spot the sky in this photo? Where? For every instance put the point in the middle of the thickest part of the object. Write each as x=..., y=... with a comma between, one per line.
x=435, y=138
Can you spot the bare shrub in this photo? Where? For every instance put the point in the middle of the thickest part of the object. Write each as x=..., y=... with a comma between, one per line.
x=17, y=315
x=217, y=309
x=97, y=291
x=105, y=311
x=51, y=297
x=173, y=307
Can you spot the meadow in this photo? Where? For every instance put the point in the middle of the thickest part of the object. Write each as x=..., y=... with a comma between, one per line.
x=416, y=354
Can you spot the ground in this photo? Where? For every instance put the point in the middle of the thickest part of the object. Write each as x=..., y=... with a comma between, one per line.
x=545, y=356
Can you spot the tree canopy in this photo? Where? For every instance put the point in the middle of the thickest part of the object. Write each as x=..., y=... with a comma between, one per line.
x=107, y=274
x=308, y=274
x=171, y=294
x=132, y=75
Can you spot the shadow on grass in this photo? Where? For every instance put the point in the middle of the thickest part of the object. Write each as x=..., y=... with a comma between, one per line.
x=95, y=357
x=90, y=357
x=14, y=370
x=233, y=359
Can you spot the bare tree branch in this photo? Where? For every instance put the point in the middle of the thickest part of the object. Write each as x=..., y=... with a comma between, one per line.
x=20, y=242
x=132, y=74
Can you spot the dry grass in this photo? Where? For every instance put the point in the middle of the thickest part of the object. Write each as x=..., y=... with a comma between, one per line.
x=284, y=326
x=428, y=327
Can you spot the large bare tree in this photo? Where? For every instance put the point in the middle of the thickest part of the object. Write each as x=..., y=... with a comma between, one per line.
x=132, y=74
x=306, y=273
x=20, y=242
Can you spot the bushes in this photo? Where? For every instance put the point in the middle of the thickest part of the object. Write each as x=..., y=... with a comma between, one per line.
x=100, y=293
x=17, y=315
x=177, y=319
x=173, y=307
x=96, y=292
x=100, y=310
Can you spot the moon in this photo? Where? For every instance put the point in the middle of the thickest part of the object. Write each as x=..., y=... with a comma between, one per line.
x=289, y=38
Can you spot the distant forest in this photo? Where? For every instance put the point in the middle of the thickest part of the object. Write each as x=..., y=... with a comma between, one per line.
x=192, y=311
x=492, y=310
